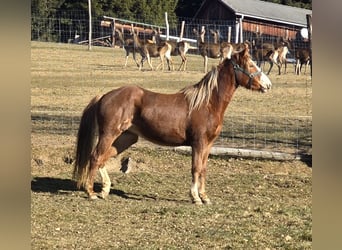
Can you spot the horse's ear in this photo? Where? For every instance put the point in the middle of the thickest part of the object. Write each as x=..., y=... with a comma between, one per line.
x=241, y=49
x=249, y=44
x=246, y=48
x=238, y=52
x=242, y=52
x=244, y=55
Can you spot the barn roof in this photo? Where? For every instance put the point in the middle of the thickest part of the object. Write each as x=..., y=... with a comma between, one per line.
x=269, y=11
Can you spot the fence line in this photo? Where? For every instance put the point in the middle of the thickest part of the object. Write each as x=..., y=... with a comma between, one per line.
x=292, y=136
x=73, y=27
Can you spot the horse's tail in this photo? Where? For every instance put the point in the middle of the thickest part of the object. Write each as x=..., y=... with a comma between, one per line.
x=85, y=142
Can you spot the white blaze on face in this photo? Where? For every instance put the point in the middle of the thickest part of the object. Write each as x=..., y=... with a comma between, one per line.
x=264, y=80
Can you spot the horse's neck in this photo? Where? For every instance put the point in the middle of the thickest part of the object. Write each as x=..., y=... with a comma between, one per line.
x=226, y=86
x=216, y=38
x=136, y=40
x=120, y=37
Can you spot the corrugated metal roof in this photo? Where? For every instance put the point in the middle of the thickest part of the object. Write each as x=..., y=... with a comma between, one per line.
x=266, y=10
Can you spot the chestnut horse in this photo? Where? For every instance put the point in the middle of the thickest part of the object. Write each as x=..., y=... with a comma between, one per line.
x=193, y=117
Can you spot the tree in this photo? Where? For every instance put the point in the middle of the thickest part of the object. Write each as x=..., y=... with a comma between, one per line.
x=187, y=8
x=40, y=10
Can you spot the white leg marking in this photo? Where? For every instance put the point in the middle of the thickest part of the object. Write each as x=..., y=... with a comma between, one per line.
x=105, y=182
x=194, y=193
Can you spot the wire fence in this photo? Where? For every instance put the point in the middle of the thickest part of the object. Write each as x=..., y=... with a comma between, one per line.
x=73, y=27
x=283, y=133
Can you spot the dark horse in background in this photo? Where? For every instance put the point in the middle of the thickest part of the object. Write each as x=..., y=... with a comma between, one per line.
x=193, y=117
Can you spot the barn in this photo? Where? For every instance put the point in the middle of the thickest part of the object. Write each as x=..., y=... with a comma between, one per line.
x=274, y=20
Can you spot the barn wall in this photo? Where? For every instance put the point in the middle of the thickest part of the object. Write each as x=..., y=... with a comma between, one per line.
x=270, y=29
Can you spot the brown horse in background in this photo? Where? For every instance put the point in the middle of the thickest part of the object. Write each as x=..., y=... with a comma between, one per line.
x=193, y=117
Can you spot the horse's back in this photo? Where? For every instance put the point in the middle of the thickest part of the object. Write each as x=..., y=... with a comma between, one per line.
x=122, y=94
x=120, y=101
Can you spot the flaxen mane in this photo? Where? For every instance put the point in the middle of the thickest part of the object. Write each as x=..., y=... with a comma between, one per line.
x=200, y=93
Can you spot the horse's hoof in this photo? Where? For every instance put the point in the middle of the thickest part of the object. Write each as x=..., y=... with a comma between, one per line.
x=205, y=199
x=206, y=202
x=195, y=199
x=197, y=202
x=93, y=197
x=104, y=195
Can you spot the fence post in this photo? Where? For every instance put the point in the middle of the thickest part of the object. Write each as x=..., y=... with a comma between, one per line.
x=182, y=31
x=241, y=29
x=229, y=34
x=113, y=33
x=167, y=27
x=237, y=28
x=90, y=28
x=309, y=25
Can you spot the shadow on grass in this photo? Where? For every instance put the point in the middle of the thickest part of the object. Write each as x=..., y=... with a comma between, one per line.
x=307, y=159
x=62, y=186
x=52, y=185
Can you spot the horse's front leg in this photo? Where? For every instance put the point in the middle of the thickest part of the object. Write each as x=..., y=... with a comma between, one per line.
x=202, y=194
x=205, y=64
x=196, y=171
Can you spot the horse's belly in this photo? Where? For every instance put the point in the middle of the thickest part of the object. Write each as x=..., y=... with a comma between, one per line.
x=164, y=135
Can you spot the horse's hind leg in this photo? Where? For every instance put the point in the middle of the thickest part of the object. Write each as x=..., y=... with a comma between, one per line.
x=183, y=64
x=271, y=66
x=126, y=58
x=100, y=155
x=205, y=64
x=124, y=141
x=135, y=59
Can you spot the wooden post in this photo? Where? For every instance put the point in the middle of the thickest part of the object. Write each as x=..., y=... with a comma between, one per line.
x=241, y=29
x=237, y=28
x=286, y=34
x=167, y=27
x=90, y=27
x=182, y=31
x=113, y=33
x=309, y=24
x=229, y=34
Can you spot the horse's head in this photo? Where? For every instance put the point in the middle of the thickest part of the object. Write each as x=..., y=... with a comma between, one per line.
x=247, y=73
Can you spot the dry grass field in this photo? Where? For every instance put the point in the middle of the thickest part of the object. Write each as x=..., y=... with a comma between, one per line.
x=257, y=204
